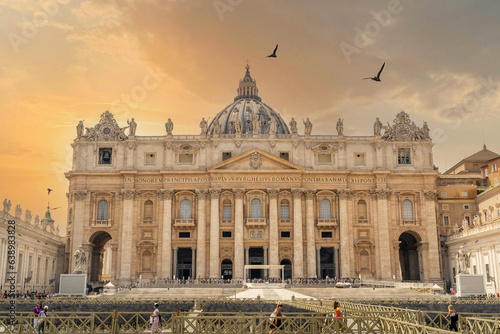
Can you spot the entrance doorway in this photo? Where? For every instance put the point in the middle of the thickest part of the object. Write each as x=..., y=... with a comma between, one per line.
x=256, y=256
x=226, y=269
x=288, y=269
x=327, y=266
x=409, y=257
x=99, y=240
x=184, y=263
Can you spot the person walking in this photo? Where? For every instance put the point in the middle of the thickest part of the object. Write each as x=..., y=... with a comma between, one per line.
x=156, y=320
x=42, y=322
x=36, y=312
x=277, y=319
x=453, y=318
x=338, y=313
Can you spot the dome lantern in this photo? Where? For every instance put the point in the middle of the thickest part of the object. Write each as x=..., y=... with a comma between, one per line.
x=248, y=87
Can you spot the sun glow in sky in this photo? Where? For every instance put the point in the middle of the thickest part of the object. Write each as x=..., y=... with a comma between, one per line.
x=62, y=61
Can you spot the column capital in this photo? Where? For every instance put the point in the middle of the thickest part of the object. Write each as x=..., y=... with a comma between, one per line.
x=265, y=247
x=165, y=194
x=247, y=248
x=344, y=193
x=381, y=193
x=297, y=192
x=239, y=192
x=214, y=193
x=80, y=195
x=318, y=248
x=128, y=194
x=201, y=193
x=310, y=193
x=273, y=192
x=395, y=244
x=193, y=247
x=430, y=195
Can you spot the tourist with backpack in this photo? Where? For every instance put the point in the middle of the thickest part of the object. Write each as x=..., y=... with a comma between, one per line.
x=156, y=320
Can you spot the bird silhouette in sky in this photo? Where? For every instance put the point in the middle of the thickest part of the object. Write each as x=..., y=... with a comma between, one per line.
x=49, y=190
x=273, y=55
x=377, y=78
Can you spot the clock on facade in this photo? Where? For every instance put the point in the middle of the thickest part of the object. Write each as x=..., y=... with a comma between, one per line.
x=403, y=130
x=106, y=130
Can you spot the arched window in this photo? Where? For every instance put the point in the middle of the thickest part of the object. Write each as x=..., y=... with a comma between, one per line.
x=255, y=208
x=147, y=261
x=364, y=260
x=407, y=207
x=285, y=209
x=362, y=210
x=185, y=209
x=226, y=209
x=325, y=209
x=102, y=210
x=148, y=210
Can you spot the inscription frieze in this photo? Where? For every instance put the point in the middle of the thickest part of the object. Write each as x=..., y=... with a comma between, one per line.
x=238, y=179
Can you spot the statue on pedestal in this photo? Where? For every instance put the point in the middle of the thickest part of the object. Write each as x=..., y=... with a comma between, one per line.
x=463, y=261
x=340, y=127
x=377, y=127
x=6, y=205
x=132, y=127
x=293, y=126
x=272, y=127
x=237, y=125
x=79, y=129
x=19, y=211
x=169, y=127
x=308, y=126
x=255, y=123
x=203, y=126
x=80, y=261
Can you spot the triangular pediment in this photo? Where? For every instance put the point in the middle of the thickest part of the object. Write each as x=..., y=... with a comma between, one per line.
x=255, y=159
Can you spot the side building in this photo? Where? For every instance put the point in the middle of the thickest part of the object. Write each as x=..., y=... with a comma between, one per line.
x=39, y=252
x=249, y=190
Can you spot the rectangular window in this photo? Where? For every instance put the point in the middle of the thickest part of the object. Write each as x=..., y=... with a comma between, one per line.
x=359, y=159
x=467, y=218
x=284, y=155
x=185, y=158
x=404, y=156
x=466, y=206
x=226, y=212
x=446, y=220
x=226, y=155
x=465, y=194
x=326, y=234
x=325, y=158
x=184, y=235
x=105, y=154
x=285, y=234
x=443, y=194
x=226, y=234
x=150, y=158
x=446, y=207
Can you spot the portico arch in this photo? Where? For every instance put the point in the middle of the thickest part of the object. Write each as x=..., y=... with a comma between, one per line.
x=409, y=256
x=98, y=240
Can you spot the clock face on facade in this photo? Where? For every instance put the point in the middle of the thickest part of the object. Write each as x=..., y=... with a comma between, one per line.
x=106, y=130
x=403, y=130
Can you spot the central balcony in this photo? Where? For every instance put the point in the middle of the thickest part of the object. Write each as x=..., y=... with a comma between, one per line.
x=184, y=223
x=102, y=223
x=256, y=222
x=326, y=223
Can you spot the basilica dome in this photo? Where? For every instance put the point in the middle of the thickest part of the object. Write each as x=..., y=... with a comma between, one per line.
x=247, y=107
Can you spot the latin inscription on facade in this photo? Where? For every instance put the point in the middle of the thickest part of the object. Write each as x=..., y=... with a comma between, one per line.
x=253, y=179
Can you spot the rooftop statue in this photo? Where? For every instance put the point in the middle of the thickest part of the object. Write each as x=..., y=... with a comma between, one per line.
x=132, y=127
x=293, y=126
x=169, y=127
x=203, y=126
x=6, y=205
x=308, y=127
x=340, y=127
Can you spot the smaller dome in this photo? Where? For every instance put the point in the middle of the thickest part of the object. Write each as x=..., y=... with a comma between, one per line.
x=247, y=104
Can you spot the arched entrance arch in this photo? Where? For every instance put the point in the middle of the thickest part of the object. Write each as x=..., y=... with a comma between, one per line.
x=98, y=270
x=409, y=257
x=226, y=269
x=288, y=269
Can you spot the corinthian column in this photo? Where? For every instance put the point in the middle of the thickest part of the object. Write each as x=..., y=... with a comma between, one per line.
x=201, y=237
x=273, y=232
x=128, y=197
x=214, y=233
x=311, y=242
x=79, y=222
x=298, y=249
x=239, y=255
x=345, y=246
x=433, y=249
x=166, y=247
x=383, y=233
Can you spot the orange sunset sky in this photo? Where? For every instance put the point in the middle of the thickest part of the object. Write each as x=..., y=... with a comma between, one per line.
x=65, y=61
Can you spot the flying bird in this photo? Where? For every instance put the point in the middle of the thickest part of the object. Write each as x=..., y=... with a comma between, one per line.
x=377, y=78
x=273, y=55
x=49, y=190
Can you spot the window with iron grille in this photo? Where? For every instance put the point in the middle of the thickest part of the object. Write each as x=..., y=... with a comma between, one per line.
x=185, y=209
x=226, y=212
x=404, y=156
x=102, y=210
x=285, y=209
x=255, y=208
x=325, y=209
x=407, y=210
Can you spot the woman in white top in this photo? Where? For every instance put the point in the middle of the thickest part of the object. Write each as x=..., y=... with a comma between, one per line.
x=156, y=319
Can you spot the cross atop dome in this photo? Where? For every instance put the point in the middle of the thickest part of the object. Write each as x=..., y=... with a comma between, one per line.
x=248, y=87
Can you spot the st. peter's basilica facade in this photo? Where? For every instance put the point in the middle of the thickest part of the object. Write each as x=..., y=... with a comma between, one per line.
x=251, y=190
